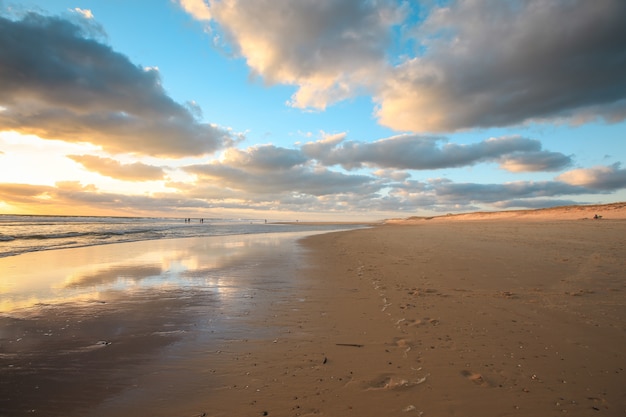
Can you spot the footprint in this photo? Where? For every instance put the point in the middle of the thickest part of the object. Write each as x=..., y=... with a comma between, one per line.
x=405, y=345
x=419, y=322
x=599, y=403
x=507, y=294
x=391, y=382
x=475, y=377
x=402, y=343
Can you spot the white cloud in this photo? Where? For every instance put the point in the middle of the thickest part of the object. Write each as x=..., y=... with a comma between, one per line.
x=85, y=13
x=329, y=49
x=197, y=8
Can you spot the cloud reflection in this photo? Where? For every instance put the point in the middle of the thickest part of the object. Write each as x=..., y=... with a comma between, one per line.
x=112, y=274
x=227, y=266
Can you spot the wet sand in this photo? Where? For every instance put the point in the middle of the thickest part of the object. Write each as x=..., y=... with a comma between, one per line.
x=427, y=318
x=135, y=328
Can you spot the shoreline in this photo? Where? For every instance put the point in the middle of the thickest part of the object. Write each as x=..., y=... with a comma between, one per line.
x=121, y=329
x=24, y=237
x=428, y=319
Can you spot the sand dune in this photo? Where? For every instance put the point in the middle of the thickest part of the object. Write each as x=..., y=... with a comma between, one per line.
x=582, y=212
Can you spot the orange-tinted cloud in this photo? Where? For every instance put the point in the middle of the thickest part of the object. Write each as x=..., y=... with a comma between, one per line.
x=610, y=177
x=111, y=168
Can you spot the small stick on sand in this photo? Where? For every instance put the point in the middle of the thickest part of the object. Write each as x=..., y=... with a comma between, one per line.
x=349, y=344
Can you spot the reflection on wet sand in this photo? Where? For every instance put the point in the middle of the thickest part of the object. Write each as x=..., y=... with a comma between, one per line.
x=79, y=326
x=74, y=275
x=112, y=274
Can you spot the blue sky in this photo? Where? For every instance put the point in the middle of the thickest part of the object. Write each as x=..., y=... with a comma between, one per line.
x=307, y=109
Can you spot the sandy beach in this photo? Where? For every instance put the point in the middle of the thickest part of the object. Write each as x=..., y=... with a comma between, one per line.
x=492, y=316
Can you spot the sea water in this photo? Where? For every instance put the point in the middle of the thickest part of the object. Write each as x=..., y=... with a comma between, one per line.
x=25, y=233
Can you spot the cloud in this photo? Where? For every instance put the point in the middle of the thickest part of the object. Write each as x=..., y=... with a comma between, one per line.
x=241, y=182
x=497, y=63
x=392, y=175
x=111, y=168
x=432, y=67
x=443, y=195
x=85, y=13
x=329, y=49
x=276, y=170
x=420, y=153
x=264, y=177
x=264, y=158
x=23, y=193
x=534, y=161
x=608, y=178
x=72, y=197
x=197, y=8
x=58, y=83
x=462, y=193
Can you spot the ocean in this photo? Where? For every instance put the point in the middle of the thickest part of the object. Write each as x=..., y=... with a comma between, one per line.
x=25, y=233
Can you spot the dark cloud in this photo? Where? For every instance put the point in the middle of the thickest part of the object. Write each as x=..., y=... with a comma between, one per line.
x=111, y=168
x=421, y=153
x=270, y=169
x=468, y=64
x=59, y=83
x=504, y=62
x=462, y=193
x=444, y=195
x=540, y=161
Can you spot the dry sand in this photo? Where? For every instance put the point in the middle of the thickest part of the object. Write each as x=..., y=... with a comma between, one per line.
x=476, y=318
x=428, y=318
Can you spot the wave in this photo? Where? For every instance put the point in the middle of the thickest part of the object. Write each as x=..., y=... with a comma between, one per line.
x=101, y=234
x=22, y=234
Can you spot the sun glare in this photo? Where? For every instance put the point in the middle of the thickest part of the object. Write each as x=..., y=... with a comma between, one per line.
x=28, y=159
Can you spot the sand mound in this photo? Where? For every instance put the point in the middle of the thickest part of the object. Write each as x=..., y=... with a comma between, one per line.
x=583, y=212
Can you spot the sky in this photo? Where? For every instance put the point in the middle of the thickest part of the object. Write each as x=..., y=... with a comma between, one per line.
x=310, y=109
